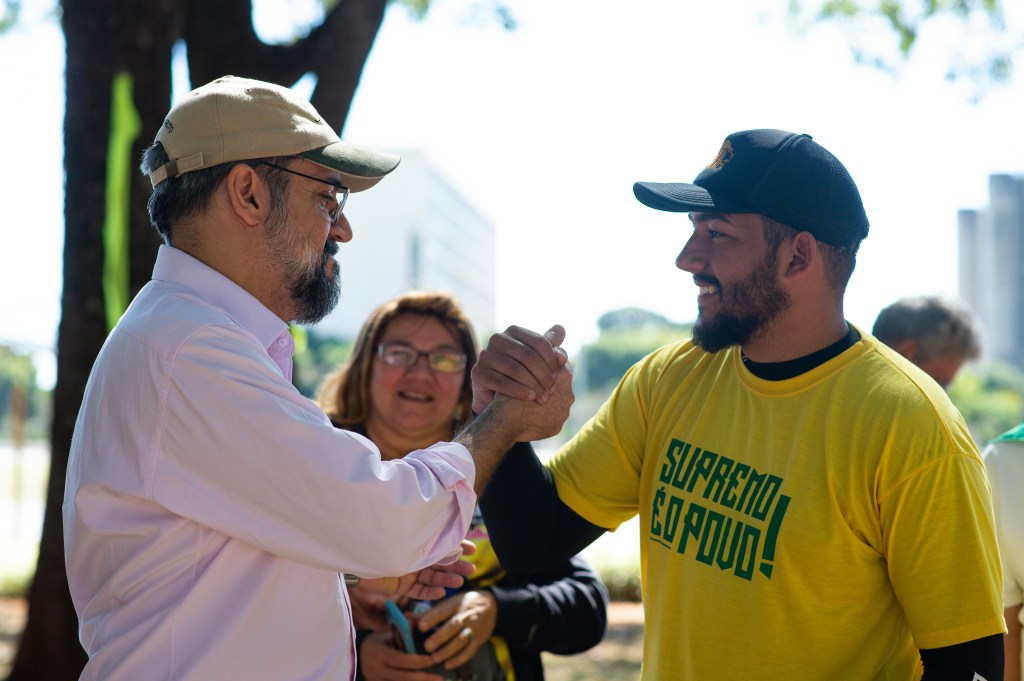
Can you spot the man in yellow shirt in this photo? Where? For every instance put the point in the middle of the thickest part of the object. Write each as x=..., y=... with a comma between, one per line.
x=811, y=505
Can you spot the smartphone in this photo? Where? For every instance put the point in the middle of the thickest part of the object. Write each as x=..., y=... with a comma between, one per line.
x=401, y=630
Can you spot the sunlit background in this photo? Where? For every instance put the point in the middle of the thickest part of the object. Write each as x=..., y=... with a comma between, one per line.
x=545, y=128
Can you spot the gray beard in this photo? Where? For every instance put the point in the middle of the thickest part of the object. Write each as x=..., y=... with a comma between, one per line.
x=315, y=292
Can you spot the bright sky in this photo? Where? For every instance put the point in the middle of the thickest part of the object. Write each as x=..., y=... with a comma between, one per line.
x=545, y=130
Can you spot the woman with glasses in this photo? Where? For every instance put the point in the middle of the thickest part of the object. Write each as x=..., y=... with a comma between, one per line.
x=405, y=387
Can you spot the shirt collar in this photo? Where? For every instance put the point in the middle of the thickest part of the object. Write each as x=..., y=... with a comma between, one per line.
x=178, y=267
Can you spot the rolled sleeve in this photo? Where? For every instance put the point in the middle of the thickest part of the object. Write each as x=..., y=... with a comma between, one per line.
x=453, y=466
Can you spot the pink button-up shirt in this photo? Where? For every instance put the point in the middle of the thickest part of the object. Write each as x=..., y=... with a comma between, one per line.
x=209, y=506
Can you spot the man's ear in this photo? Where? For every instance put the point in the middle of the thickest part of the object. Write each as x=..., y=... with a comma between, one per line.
x=248, y=195
x=907, y=347
x=801, y=253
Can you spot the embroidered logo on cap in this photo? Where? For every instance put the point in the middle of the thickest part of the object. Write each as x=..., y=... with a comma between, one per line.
x=724, y=156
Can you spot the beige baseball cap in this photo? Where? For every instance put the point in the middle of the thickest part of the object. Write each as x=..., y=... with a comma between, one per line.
x=236, y=119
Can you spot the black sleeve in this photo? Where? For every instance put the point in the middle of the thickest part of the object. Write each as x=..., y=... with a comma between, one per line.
x=562, y=611
x=531, y=529
x=981, y=658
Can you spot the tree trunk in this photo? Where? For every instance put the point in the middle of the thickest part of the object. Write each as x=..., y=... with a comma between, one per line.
x=336, y=50
x=104, y=38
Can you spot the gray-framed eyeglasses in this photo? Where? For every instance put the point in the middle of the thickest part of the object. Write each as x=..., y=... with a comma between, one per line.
x=401, y=355
x=341, y=192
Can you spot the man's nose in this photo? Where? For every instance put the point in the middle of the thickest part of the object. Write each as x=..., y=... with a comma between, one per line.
x=341, y=230
x=692, y=258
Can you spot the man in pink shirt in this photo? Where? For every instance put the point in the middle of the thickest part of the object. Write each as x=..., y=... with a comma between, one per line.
x=210, y=509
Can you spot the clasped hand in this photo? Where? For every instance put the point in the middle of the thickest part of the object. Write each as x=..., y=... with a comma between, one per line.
x=531, y=367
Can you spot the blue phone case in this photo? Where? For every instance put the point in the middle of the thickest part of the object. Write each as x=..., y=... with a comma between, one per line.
x=401, y=631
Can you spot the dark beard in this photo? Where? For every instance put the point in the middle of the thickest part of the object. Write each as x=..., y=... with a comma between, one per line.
x=748, y=307
x=315, y=292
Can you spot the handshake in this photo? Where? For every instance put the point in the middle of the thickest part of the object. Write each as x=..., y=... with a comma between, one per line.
x=522, y=391
x=527, y=378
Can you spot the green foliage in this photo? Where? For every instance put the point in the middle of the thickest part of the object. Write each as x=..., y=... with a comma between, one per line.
x=983, y=55
x=627, y=335
x=991, y=399
x=417, y=8
x=631, y=318
x=15, y=586
x=622, y=580
x=906, y=19
x=18, y=387
x=16, y=370
x=315, y=357
x=477, y=12
x=10, y=10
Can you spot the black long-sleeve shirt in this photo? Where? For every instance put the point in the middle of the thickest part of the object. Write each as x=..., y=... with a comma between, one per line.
x=562, y=611
x=531, y=529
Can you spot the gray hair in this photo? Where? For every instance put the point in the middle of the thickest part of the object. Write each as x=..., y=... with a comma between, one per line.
x=177, y=199
x=939, y=326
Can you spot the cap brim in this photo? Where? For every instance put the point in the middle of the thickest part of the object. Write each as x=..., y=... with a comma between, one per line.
x=360, y=168
x=678, y=197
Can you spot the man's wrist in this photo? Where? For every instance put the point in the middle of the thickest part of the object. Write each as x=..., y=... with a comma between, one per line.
x=488, y=430
x=488, y=438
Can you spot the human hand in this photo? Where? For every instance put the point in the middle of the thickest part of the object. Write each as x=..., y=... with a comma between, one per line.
x=464, y=623
x=519, y=363
x=428, y=584
x=368, y=609
x=381, y=661
x=530, y=421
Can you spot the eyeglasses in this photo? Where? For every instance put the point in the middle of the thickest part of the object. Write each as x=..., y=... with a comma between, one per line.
x=401, y=355
x=339, y=195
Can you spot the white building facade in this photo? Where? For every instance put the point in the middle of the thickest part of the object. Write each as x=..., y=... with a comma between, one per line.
x=991, y=243
x=414, y=230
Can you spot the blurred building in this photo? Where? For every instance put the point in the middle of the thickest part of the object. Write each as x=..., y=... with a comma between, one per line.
x=414, y=230
x=991, y=245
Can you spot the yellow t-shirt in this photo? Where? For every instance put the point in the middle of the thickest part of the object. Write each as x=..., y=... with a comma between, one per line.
x=813, y=528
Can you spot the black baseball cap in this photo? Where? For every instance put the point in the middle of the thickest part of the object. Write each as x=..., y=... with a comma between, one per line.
x=788, y=177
